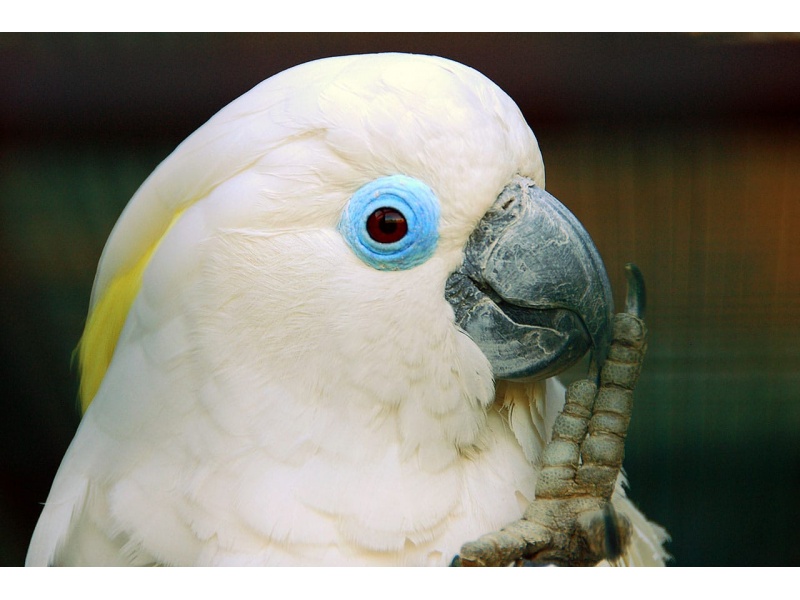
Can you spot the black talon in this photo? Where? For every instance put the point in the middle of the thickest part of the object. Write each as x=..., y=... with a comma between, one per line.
x=635, y=304
x=636, y=299
x=613, y=543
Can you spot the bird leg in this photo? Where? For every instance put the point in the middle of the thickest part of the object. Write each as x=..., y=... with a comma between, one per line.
x=572, y=522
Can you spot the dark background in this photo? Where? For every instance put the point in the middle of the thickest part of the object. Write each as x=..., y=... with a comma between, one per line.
x=680, y=152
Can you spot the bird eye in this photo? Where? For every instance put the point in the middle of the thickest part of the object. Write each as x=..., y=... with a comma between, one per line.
x=392, y=223
x=387, y=225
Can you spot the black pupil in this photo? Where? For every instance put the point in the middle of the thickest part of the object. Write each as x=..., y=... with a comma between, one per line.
x=387, y=225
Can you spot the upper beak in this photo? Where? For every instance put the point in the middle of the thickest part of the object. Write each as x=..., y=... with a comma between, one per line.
x=532, y=292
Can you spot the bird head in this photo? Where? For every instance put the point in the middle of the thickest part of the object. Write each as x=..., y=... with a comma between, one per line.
x=349, y=218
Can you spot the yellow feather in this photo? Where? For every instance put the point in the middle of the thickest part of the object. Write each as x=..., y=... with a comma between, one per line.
x=105, y=321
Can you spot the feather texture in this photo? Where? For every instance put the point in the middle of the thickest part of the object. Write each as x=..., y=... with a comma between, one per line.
x=271, y=399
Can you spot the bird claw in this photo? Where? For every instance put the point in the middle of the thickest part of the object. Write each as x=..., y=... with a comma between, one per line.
x=580, y=531
x=572, y=521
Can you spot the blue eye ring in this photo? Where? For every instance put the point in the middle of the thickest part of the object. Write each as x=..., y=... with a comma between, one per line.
x=418, y=210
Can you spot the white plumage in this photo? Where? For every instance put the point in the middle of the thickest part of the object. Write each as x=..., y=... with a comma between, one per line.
x=274, y=400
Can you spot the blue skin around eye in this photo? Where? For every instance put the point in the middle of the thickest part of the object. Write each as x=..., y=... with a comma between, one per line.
x=418, y=204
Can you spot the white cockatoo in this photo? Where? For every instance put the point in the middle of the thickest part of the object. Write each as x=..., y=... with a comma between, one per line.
x=324, y=330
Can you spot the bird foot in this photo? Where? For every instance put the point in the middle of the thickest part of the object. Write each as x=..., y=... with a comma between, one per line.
x=572, y=521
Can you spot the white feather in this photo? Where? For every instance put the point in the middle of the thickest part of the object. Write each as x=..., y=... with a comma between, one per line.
x=272, y=399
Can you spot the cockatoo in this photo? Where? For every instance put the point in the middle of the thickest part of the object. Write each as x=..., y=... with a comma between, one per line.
x=324, y=332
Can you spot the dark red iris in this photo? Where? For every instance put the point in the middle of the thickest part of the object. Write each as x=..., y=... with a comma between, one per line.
x=387, y=225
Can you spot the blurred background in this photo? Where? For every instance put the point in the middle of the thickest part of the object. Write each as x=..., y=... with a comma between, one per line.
x=680, y=152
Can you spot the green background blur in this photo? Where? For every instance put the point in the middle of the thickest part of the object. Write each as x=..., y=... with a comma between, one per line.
x=678, y=152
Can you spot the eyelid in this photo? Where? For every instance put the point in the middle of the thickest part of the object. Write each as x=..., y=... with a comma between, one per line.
x=409, y=196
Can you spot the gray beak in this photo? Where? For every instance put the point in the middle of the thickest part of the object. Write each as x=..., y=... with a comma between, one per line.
x=532, y=292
